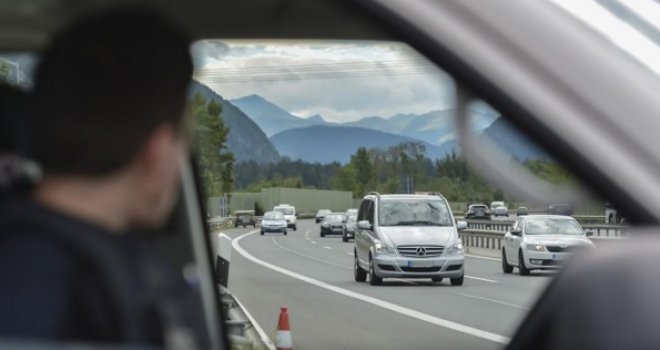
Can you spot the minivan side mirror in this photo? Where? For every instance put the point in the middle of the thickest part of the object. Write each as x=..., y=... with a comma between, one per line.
x=461, y=225
x=364, y=225
x=516, y=232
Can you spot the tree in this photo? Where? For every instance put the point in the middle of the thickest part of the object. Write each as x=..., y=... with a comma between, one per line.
x=210, y=141
x=363, y=169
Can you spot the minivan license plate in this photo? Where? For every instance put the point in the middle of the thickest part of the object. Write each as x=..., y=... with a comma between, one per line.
x=419, y=263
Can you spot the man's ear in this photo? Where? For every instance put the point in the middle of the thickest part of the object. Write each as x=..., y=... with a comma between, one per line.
x=156, y=161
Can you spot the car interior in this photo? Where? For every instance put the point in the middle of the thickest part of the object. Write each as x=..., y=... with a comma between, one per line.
x=539, y=67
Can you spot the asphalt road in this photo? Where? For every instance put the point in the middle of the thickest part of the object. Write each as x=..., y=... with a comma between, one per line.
x=313, y=277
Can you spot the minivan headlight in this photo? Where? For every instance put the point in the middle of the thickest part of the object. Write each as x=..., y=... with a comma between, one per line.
x=384, y=249
x=456, y=249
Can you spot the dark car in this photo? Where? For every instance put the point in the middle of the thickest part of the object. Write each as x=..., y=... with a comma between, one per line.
x=522, y=211
x=560, y=209
x=245, y=218
x=349, y=227
x=245, y=221
x=320, y=215
x=478, y=211
x=333, y=224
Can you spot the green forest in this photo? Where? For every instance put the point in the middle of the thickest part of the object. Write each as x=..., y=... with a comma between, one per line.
x=397, y=169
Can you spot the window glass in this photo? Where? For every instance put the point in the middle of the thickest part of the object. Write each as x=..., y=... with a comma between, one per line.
x=321, y=124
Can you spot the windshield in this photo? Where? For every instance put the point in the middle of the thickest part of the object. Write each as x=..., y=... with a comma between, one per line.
x=552, y=227
x=351, y=219
x=285, y=210
x=413, y=212
x=273, y=215
x=478, y=207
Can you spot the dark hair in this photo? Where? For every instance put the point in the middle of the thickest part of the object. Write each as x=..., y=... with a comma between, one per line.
x=104, y=84
x=13, y=105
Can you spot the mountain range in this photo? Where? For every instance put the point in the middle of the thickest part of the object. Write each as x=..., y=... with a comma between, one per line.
x=271, y=118
x=314, y=139
x=326, y=143
x=245, y=139
x=434, y=127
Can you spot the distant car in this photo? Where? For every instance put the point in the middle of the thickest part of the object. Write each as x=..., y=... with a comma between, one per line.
x=333, y=224
x=560, y=209
x=496, y=204
x=245, y=218
x=274, y=221
x=349, y=227
x=352, y=211
x=500, y=211
x=542, y=242
x=522, y=211
x=321, y=214
x=478, y=211
x=290, y=215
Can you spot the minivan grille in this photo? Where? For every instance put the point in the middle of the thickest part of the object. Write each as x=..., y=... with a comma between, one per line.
x=420, y=251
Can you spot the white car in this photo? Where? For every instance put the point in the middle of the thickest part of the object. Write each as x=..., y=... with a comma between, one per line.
x=496, y=204
x=290, y=215
x=542, y=242
x=500, y=211
x=273, y=221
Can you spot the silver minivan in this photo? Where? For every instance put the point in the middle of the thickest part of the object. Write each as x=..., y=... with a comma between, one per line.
x=407, y=236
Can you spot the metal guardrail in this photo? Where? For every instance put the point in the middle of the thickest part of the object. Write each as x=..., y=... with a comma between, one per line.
x=489, y=235
x=241, y=329
x=598, y=230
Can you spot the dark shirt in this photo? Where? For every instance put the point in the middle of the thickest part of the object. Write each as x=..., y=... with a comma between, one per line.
x=64, y=279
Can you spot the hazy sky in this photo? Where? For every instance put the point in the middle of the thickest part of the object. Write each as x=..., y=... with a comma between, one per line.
x=340, y=80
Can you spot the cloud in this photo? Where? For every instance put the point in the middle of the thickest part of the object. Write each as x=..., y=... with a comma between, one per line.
x=340, y=80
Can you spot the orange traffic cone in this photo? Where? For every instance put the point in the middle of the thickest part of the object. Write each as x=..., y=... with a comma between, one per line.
x=283, y=337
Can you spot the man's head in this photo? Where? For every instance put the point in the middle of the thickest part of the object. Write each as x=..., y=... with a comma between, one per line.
x=109, y=101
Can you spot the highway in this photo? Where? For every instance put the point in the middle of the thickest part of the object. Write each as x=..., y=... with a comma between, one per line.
x=313, y=277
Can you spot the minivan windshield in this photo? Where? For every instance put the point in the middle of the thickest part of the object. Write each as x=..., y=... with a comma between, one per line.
x=552, y=226
x=413, y=212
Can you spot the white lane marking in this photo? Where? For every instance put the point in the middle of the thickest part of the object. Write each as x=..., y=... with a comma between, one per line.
x=494, y=301
x=313, y=242
x=374, y=301
x=394, y=279
x=307, y=238
x=481, y=279
x=311, y=257
x=483, y=257
x=326, y=247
